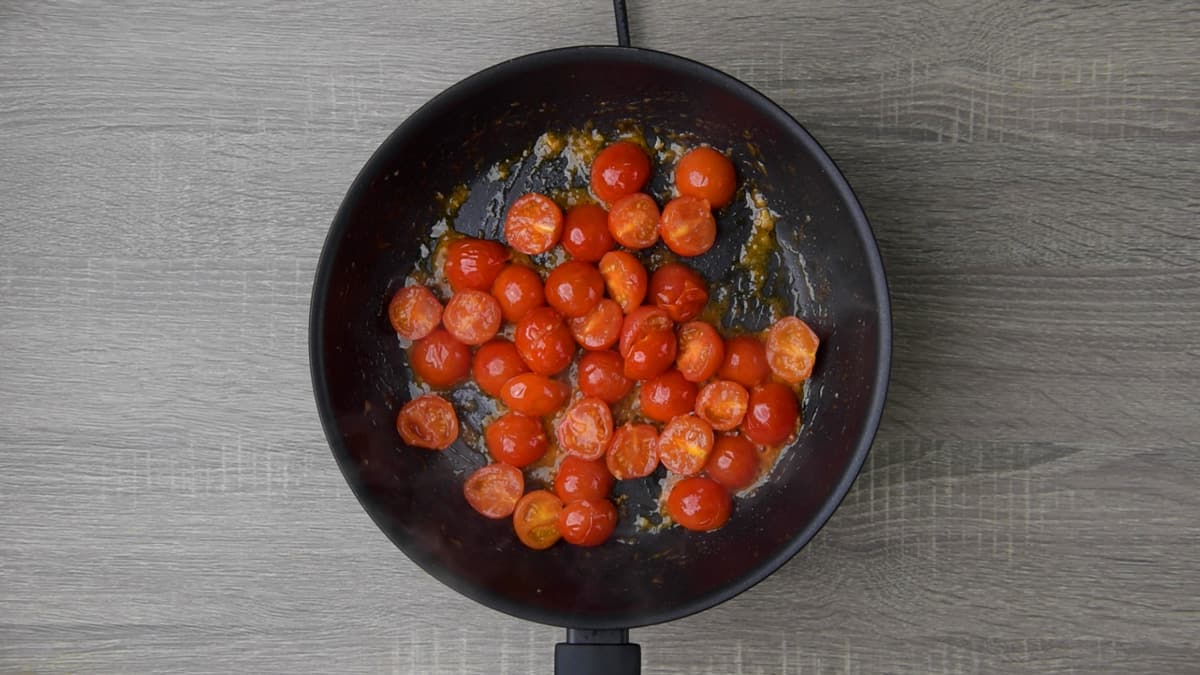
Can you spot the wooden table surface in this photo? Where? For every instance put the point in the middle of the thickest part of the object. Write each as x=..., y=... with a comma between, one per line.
x=167, y=175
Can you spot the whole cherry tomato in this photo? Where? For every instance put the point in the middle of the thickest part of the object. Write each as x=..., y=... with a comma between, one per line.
x=429, y=422
x=587, y=522
x=534, y=395
x=414, y=312
x=745, y=361
x=699, y=504
x=494, y=490
x=722, y=403
x=684, y=444
x=516, y=439
x=599, y=328
x=574, y=288
x=620, y=169
x=633, y=452
x=771, y=414
x=544, y=341
x=474, y=263
x=687, y=225
x=679, y=290
x=633, y=221
x=733, y=462
x=518, y=289
x=706, y=173
x=582, y=479
x=585, y=233
x=472, y=317
x=533, y=224
x=440, y=359
x=667, y=395
x=535, y=519
x=791, y=349
x=647, y=342
x=626, y=279
x=700, y=352
x=586, y=429
x=602, y=375
x=494, y=364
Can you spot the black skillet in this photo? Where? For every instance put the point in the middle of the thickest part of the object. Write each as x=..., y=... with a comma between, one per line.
x=824, y=266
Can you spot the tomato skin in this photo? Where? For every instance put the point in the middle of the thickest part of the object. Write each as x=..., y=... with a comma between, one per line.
x=533, y=224
x=494, y=364
x=791, y=349
x=733, y=462
x=585, y=233
x=602, y=376
x=619, y=169
x=699, y=504
x=574, y=288
x=633, y=221
x=700, y=351
x=516, y=439
x=679, y=290
x=641, y=322
x=745, y=361
x=535, y=519
x=651, y=356
x=771, y=414
x=684, y=444
x=586, y=429
x=428, y=422
x=667, y=395
x=473, y=263
x=440, y=360
x=518, y=289
x=687, y=225
x=581, y=479
x=723, y=404
x=708, y=174
x=587, y=522
x=472, y=317
x=600, y=328
x=414, y=312
x=534, y=395
x=626, y=279
x=633, y=452
x=544, y=341
x=494, y=490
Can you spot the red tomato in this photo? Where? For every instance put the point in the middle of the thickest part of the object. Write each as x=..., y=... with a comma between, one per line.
x=440, y=359
x=745, y=361
x=414, y=312
x=633, y=221
x=687, y=225
x=516, y=439
x=574, y=288
x=494, y=364
x=651, y=356
x=633, y=452
x=700, y=351
x=585, y=233
x=771, y=414
x=699, y=504
x=733, y=462
x=534, y=395
x=586, y=429
x=518, y=289
x=473, y=263
x=428, y=422
x=684, y=444
x=791, y=349
x=472, y=317
x=602, y=376
x=641, y=322
x=544, y=341
x=620, y=169
x=533, y=224
x=580, y=479
x=708, y=174
x=667, y=396
x=599, y=328
x=722, y=404
x=587, y=522
x=625, y=278
x=679, y=290
x=535, y=520
x=494, y=490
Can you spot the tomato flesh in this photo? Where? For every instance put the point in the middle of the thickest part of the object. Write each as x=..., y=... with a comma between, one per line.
x=586, y=429
x=679, y=290
x=700, y=352
x=428, y=422
x=633, y=452
x=600, y=328
x=684, y=444
x=791, y=349
x=625, y=278
x=633, y=221
x=687, y=225
x=494, y=490
x=535, y=519
x=472, y=317
x=722, y=403
x=414, y=312
x=533, y=224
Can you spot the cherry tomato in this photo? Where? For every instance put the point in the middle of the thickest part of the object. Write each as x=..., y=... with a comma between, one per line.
x=625, y=278
x=599, y=328
x=733, y=462
x=534, y=395
x=474, y=263
x=620, y=169
x=687, y=225
x=648, y=343
x=516, y=439
x=633, y=452
x=722, y=404
x=544, y=342
x=771, y=414
x=701, y=350
x=440, y=359
x=428, y=422
x=641, y=322
x=602, y=376
x=414, y=312
x=472, y=317
x=633, y=221
x=535, y=519
x=574, y=288
x=684, y=444
x=494, y=364
x=587, y=522
x=791, y=349
x=494, y=490
x=745, y=361
x=699, y=504
x=708, y=174
x=667, y=396
x=533, y=224
x=586, y=429
x=679, y=290
x=580, y=479
x=585, y=233
x=518, y=290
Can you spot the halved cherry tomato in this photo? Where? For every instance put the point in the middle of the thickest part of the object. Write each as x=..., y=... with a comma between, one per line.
x=633, y=452
x=771, y=414
x=745, y=361
x=733, y=462
x=679, y=290
x=516, y=439
x=722, y=404
x=587, y=522
x=586, y=429
x=650, y=356
x=701, y=350
x=641, y=322
x=533, y=394
x=626, y=279
x=414, y=312
x=574, y=288
x=601, y=375
x=704, y=172
x=791, y=349
x=495, y=363
x=684, y=444
x=535, y=520
x=474, y=263
x=518, y=289
x=687, y=225
x=585, y=233
x=633, y=221
x=429, y=422
x=599, y=328
x=533, y=224
x=472, y=317
x=666, y=396
x=620, y=169
x=581, y=479
x=544, y=342
x=440, y=359
x=699, y=504
x=494, y=490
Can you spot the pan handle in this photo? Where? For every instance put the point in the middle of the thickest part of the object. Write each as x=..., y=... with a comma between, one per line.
x=622, y=22
x=597, y=652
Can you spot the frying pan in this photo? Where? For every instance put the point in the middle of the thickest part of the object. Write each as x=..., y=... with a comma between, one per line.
x=823, y=266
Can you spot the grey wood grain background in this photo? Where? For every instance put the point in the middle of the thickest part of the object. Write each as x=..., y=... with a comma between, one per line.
x=167, y=174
